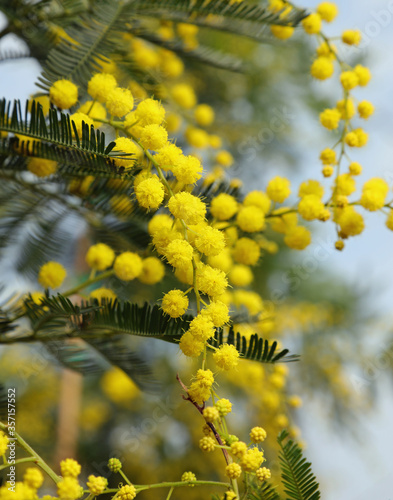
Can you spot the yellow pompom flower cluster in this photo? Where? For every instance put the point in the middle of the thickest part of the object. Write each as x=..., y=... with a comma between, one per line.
x=33, y=477
x=149, y=112
x=188, y=207
x=97, y=484
x=252, y=460
x=217, y=312
x=199, y=390
x=263, y=474
x=226, y=357
x=374, y=194
x=128, y=266
x=119, y=102
x=207, y=444
x=188, y=477
x=187, y=169
x=224, y=406
x=223, y=206
x=278, y=189
x=70, y=468
x=100, y=256
x=127, y=492
x=174, y=303
x=204, y=115
x=153, y=271
x=63, y=94
x=352, y=37
x=150, y=193
x=69, y=488
x=179, y=253
x=100, y=85
x=258, y=434
x=233, y=470
x=52, y=275
x=183, y=94
x=153, y=137
x=211, y=414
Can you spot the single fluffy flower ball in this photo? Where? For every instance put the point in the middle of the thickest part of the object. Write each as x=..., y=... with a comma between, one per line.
x=217, y=312
x=210, y=241
x=250, y=219
x=258, y=434
x=312, y=24
x=128, y=266
x=33, y=477
x=226, y=357
x=153, y=137
x=70, y=468
x=179, y=253
x=100, y=85
x=153, y=271
x=223, y=206
x=322, y=68
x=52, y=275
x=201, y=328
x=298, y=238
x=204, y=115
x=278, y=189
x=188, y=207
x=263, y=473
x=184, y=95
x=119, y=102
x=150, y=193
x=233, y=470
x=174, y=303
x=188, y=476
x=187, y=169
x=63, y=94
x=328, y=11
x=97, y=484
x=190, y=346
x=127, y=492
x=69, y=489
x=150, y=112
x=100, y=256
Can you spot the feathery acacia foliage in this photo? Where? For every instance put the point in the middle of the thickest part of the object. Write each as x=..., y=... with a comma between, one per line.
x=298, y=478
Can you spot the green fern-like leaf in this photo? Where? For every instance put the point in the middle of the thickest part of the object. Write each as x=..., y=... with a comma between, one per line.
x=247, y=19
x=95, y=35
x=127, y=318
x=264, y=491
x=56, y=139
x=58, y=317
x=299, y=481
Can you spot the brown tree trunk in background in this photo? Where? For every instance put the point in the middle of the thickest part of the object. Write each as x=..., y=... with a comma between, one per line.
x=68, y=419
